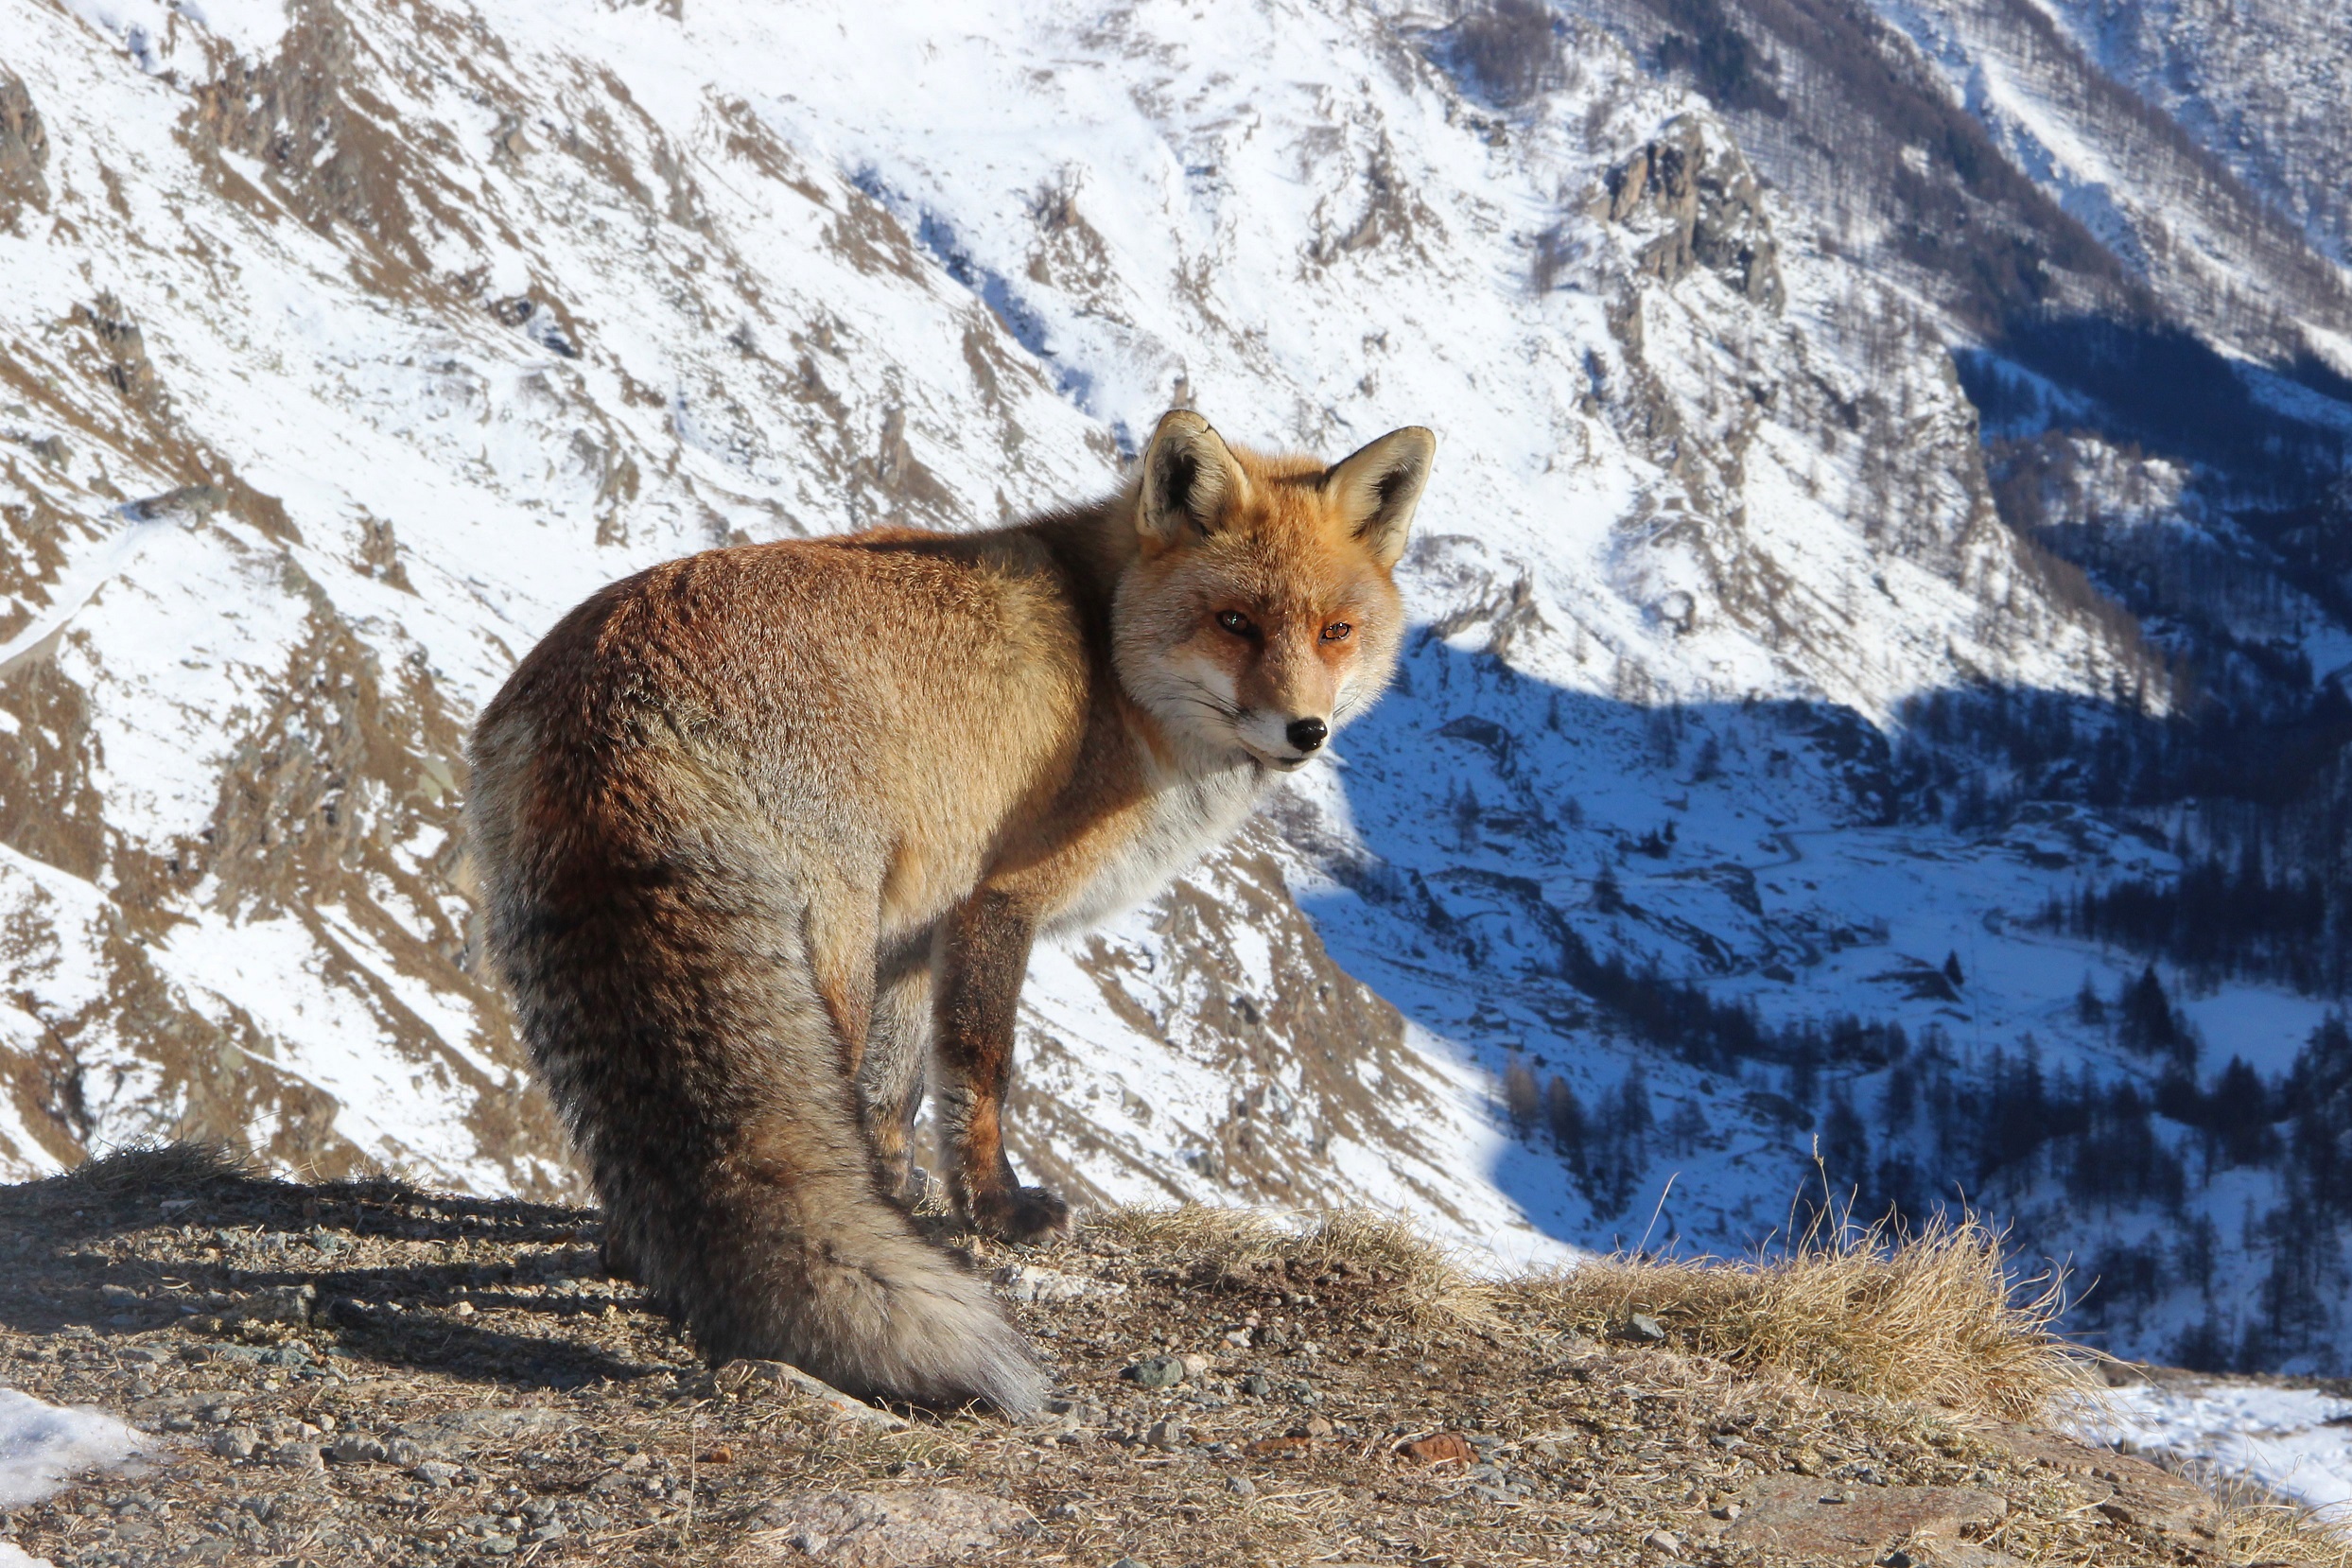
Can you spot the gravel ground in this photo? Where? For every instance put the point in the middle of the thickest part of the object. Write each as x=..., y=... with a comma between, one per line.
x=365, y=1374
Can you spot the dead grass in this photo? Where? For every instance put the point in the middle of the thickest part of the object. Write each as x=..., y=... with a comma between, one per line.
x=1416, y=1274
x=1929, y=1315
x=2259, y=1526
x=132, y=1171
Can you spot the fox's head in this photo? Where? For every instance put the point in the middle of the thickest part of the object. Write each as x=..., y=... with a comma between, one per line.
x=1260, y=613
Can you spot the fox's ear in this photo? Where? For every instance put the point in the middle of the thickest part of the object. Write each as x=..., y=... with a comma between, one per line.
x=1189, y=478
x=1376, y=489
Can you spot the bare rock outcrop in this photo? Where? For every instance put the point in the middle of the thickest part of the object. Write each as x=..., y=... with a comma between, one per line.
x=24, y=150
x=1706, y=207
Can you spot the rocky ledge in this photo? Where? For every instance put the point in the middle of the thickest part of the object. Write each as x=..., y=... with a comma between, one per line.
x=362, y=1373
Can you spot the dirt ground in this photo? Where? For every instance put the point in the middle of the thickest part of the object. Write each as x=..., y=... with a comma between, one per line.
x=365, y=1374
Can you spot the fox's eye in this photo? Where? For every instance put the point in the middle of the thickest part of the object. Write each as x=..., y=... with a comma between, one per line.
x=1234, y=622
x=1337, y=632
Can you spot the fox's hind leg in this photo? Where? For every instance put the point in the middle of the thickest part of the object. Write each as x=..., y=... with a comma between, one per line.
x=985, y=957
x=890, y=1079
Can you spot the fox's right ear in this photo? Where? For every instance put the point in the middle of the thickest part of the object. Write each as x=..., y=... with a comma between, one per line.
x=1190, y=479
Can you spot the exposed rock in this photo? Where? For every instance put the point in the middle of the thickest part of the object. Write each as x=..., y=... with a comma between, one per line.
x=24, y=150
x=325, y=150
x=1824, y=1522
x=355, y=1447
x=122, y=349
x=1640, y=1329
x=1708, y=207
x=1160, y=1371
x=187, y=500
x=2139, y=1494
x=866, y=1529
x=458, y=1432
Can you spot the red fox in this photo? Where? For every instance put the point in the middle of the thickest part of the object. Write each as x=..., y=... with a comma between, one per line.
x=763, y=829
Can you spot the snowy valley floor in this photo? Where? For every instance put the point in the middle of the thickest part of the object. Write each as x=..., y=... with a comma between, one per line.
x=366, y=1373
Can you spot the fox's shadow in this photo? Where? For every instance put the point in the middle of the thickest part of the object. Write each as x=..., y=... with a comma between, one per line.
x=257, y=1268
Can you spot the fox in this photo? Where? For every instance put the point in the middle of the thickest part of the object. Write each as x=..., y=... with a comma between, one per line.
x=765, y=836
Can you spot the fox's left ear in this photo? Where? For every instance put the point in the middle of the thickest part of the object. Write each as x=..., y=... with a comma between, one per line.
x=1376, y=489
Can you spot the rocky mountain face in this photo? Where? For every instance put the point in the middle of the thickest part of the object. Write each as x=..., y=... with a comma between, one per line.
x=346, y=346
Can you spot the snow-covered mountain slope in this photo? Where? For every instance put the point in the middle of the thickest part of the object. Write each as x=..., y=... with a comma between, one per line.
x=346, y=346
x=2172, y=206
x=2259, y=83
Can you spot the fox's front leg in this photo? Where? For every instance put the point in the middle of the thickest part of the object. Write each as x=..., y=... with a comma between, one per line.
x=985, y=958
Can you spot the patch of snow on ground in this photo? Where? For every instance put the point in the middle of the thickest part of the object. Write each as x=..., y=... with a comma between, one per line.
x=2294, y=1441
x=43, y=1447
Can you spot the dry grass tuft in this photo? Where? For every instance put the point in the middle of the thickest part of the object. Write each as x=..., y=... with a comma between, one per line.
x=2261, y=1524
x=136, y=1171
x=1930, y=1316
x=2258, y=1527
x=1416, y=1274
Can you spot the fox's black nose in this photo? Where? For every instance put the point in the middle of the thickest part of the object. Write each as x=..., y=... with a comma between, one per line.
x=1307, y=734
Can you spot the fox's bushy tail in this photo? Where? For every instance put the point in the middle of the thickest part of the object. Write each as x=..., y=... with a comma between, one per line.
x=670, y=1005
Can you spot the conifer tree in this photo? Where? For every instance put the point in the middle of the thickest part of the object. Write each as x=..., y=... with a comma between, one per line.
x=1521, y=1100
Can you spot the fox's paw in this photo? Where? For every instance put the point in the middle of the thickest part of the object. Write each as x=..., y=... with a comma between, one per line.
x=1022, y=1214
x=908, y=1186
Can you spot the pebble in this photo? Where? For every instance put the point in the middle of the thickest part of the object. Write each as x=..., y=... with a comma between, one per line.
x=434, y=1473
x=1663, y=1541
x=1641, y=1328
x=1166, y=1435
x=280, y=1305
x=1160, y=1371
x=1258, y=1385
x=357, y=1448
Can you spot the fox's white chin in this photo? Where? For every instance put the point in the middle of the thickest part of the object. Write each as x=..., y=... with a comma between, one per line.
x=1279, y=764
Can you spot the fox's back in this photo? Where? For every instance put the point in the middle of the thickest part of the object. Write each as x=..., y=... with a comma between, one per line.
x=896, y=695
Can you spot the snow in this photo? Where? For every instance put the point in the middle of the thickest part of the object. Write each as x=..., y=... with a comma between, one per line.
x=45, y=1448
x=2296, y=1441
